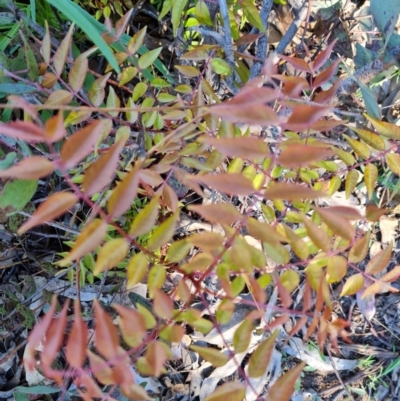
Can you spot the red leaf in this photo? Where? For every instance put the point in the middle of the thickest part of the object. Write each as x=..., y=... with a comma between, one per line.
x=54, y=128
x=99, y=174
x=25, y=130
x=323, y=57
x=31, y=168
x=56, y=205
x=326, y=74
x=299, y=155
x=37, y=335
x=75, y=350
x=283, y=388
x=280, y=190
x=54, y=338
x=81, y=143
x=247, y=147
x=106, y=335
x=156, y=357
x=217, y=213
x=297, y=63
x=303, y=116
x=231, y=184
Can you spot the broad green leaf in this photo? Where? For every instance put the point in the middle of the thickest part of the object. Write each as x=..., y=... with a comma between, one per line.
x=290, y=279
x=334, y=184
x=277, y=252
x=178, y=251
x=212, y=355
x=259, y=359
x=15, y=195
x=352, y=285
x=167, y=5
x=370, y=178
x=202, y=13
x=32, y=66
x=351, y=182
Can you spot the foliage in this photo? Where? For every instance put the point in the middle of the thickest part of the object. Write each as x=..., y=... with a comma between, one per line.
x=82, y=130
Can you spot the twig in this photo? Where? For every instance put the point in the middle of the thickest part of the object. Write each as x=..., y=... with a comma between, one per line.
x=338, y=375
x=219, y=39
x=300, y=16
x=262, y=46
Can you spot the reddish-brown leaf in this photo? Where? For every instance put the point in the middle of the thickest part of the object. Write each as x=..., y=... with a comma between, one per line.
x=37, y=335
x=132, y=325
x=283, y=388
x=220, y=213
x=280, y=190
x=31, y=168
x=326, y=74
x=261, y=114
x=394, y=274
x=374, y=213
x=380, y=260
x=297, y=63
x=156, y=357
x=338, y=224
x=75, y=349
x=303, y=116
x=54, y=338
x=56, y=205
x=54, y=128
x=264, y=231
x=106, y=335
x=124, y=194
x=25, y=130
x=299, y=155
x=162, y=304
x=359, y=250
x=99, y=174
x=81, y=143
x=323, y=56
x=325, y=97
x=246, y=147
x=231, y=184
x=170, y=197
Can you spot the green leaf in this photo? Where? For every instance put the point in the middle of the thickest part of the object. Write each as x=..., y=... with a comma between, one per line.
x=16, y=194
x=33, y=69
x=163, y=233
x=177, y=13
x=148, y=58
x=220, y=66
x=202, y=13
x=260, y=357
x=41, y=390
x=251, y=13
x=79, y=16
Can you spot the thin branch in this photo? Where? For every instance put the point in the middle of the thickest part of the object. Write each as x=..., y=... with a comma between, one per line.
x=301, y=14
x=262, y=46
x=219, y=39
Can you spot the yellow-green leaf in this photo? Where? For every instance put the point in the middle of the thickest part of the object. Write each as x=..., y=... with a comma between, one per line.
x=359, y=250
x=393, y=162
x=137, y=269
x=336, y=269
x=389, y=130
x=146, y=218
x=318, y=236
x=359, y=148
x=252, y=14
x=242, y=336
x=371, y=139
x=232, y=391
x=148, y=58
x=163, y=233
x=156, y=279
x=113, y=252
x=370, y=178
x=290, y=280
x=351, y=182
x=260, y=357
x=352, y=285
x=212, y=355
